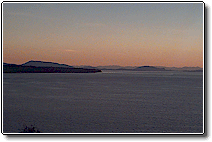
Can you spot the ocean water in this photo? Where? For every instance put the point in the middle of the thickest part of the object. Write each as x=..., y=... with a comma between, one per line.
x=107, y=102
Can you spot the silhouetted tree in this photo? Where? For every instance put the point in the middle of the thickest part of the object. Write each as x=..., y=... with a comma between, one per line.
x=31, y=129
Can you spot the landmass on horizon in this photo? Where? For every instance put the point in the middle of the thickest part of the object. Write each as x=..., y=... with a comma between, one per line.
x=51, y=67
x=44, y=67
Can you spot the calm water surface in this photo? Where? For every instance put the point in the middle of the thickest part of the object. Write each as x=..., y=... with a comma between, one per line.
x=107, y=102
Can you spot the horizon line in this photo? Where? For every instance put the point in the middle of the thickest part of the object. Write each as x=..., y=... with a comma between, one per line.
x=104, y=65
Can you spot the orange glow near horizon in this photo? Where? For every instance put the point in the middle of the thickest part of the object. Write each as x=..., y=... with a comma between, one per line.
x=127, y=57
x=102, y=36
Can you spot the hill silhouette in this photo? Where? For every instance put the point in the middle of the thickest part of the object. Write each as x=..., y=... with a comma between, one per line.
x=45, y=64
x=149, y=68
x=44, y=67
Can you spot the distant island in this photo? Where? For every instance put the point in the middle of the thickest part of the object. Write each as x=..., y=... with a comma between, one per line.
x=51, y=67
x=44, y=67
x=148, y=68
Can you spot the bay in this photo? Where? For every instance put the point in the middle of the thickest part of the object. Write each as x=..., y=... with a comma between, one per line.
x=107, y=102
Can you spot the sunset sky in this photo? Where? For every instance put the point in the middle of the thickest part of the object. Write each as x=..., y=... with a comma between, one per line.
x=125, y=34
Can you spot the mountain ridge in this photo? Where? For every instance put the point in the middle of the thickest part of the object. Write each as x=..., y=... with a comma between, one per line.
x=149, y=68
x=33, y=63
x=41, y=68
x=117, y=67
x=44, y=64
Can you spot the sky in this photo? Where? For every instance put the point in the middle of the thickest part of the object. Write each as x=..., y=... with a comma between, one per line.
x=99, y=34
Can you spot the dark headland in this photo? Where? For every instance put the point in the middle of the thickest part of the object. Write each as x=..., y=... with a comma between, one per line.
x=44, y=67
